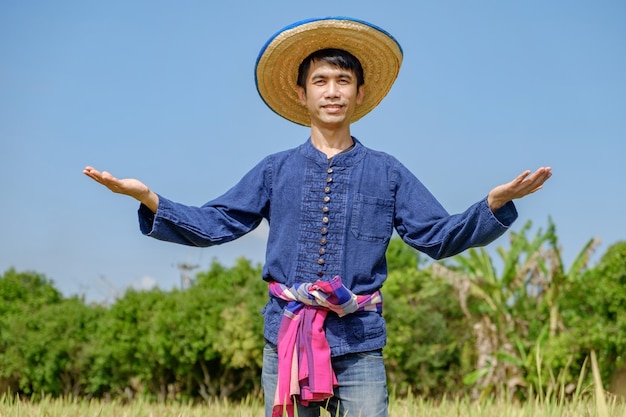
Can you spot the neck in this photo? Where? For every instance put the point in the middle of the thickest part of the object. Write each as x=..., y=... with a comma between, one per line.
x=331, y=141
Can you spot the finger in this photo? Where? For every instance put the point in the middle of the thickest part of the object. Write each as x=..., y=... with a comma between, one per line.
x=547, y=172
x=522, y=176
x=105, y=178
x=92, y=173
x=541, y=175
x=543, y=171
x=534, y=190
x=88, y=170
x=534, y=185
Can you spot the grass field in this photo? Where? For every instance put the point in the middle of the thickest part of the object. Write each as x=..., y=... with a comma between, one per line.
x=11, y=407
x=591, y=401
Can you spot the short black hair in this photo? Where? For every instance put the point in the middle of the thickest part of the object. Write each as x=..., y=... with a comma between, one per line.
x=337, y=57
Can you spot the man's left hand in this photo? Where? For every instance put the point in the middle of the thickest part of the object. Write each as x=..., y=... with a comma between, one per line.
x=525, y=183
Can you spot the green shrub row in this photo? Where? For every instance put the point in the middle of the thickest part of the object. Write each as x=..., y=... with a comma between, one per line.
x=460, y=327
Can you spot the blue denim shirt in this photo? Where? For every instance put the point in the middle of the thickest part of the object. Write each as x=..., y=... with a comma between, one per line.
x=330, y=217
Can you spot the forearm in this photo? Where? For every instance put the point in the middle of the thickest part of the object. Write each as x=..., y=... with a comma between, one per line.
x=452, y=234
x=495, y=202
x=195, y=226
x=149, y=199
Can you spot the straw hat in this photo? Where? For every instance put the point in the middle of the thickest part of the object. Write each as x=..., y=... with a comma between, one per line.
x=277, y=64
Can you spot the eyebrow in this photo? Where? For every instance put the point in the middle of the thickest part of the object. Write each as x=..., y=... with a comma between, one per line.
x=342, y=74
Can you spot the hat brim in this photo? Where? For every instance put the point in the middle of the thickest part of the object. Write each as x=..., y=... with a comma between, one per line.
x=277, y=64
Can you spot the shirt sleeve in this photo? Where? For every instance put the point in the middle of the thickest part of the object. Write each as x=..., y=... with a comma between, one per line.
x=423, y=223
x=230, y=216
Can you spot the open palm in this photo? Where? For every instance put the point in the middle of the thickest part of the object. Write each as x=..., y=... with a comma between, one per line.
x=524, y=184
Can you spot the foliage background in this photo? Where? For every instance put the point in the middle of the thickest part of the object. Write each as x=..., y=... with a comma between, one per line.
x=458, y=327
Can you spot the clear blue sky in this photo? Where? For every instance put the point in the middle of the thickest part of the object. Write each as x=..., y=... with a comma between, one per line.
x=164, y=91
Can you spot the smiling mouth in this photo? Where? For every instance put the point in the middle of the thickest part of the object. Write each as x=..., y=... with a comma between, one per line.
x=332, y=107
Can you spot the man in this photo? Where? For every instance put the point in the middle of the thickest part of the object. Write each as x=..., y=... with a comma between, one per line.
x=332, y=205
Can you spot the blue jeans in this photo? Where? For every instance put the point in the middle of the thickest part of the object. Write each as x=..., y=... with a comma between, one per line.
x=362, y=390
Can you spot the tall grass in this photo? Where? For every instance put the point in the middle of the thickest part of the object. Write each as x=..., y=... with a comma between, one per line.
x=589, y=401
x=409, y=407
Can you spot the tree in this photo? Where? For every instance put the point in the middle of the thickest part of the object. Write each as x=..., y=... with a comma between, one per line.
x=45, y=339
x=55, y=347
x=513, y=313
x=594, y=316
x=232, y=299
x=124, y=355
x=20, y=290
x=204, y=341
x=426, y=327
x=21, y=295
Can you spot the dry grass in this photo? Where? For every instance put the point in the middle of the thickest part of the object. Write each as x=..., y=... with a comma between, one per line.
x=254, y=408
x=587, y=402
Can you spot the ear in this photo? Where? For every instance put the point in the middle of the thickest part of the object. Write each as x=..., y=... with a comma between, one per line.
x=360, y=94
x=301, y=95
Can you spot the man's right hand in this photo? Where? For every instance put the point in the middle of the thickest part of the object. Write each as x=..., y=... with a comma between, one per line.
x=129, y=186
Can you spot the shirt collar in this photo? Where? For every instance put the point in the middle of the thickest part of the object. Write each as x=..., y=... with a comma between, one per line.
x=349, y=157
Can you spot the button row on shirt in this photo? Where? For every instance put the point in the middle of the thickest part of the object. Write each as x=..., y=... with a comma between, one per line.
x=325, y=221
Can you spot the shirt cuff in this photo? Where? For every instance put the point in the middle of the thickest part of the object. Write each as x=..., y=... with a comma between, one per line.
x=146, y=219
x=506, y=214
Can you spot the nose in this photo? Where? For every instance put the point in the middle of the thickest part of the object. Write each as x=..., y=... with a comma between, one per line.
x=332, y=89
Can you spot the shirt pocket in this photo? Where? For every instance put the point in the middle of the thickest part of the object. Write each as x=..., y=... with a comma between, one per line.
x=372, y=218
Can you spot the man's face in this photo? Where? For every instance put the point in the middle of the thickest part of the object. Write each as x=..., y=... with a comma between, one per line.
x=331, y=95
